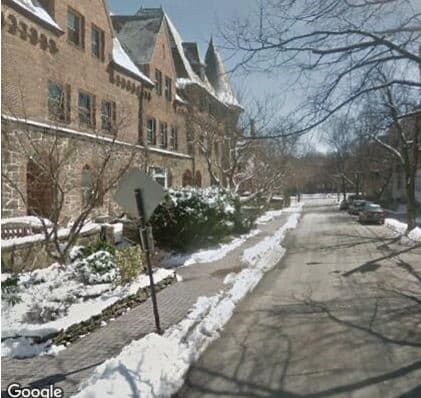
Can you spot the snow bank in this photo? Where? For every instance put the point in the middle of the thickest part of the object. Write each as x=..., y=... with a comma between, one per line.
x=48, y=288
x=401, y=227
x=268, y=216
x=155, y=365
x=62, y=233
x=207, y=256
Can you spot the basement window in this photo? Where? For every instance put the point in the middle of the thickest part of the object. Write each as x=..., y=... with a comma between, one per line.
x=160, y=175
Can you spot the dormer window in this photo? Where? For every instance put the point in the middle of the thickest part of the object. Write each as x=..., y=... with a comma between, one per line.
x=168, y=91
x=158, y=81
x=75, y=28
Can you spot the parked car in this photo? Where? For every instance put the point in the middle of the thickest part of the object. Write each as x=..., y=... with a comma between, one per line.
x=356, y=206
x=344, y=205
x=371, y=212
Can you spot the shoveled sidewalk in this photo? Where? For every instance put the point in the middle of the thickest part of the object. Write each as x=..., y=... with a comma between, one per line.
x=74, y=365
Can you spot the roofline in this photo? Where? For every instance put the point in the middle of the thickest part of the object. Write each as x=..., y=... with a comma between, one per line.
x=131, y=74
x=31, y=16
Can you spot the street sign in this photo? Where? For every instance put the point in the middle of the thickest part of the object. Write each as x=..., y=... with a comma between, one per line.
x=152, y=193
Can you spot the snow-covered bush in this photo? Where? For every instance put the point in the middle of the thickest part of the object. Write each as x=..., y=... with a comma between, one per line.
x=99, y=267
x=10, y=290
x=190, y=217
x=42, y=312
x=130, y=263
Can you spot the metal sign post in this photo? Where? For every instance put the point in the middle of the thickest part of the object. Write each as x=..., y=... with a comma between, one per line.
x=139, y=195
x=145, y=243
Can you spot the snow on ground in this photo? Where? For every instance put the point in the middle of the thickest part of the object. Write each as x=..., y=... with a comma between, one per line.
x=268, y=216
x=48, y=291
x=400, y=227
x=206, y=255
x=155, y=366
x=219, y=252
x=62, y=233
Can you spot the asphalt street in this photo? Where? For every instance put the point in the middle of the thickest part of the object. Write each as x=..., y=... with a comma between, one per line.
x=340, y=316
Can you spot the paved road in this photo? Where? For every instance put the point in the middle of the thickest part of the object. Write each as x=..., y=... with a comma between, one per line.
x=340, y=316
x=75, y=364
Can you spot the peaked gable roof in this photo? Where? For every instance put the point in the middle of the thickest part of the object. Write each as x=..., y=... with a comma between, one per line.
x=139, y=33
x=216, y=74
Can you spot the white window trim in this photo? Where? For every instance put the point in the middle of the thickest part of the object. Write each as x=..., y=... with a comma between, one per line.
x=159, y=172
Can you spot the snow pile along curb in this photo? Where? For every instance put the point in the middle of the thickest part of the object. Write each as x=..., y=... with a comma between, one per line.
x=400, y=227
x=155, y=365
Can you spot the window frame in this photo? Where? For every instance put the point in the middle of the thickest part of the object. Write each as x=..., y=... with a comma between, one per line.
x=173, y=141
x=81, y=33
x=158, y=82
x=101, y=44
x=159, y=172
x=51, y=114
x=163, y=135
x=168, y=88
x=151, y=139
x=92, y=113
x=111, y=128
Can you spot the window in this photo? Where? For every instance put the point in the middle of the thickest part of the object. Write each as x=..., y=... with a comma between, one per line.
x=190, y=143
x=108, y=116
x=168, y=90
x=151, y=131
x=75, y=28
x=57, y=106
x=174, y=138
x=158, y=81
x=159, y=175
x=97, y=41
x=163, y=133
x=86, y=109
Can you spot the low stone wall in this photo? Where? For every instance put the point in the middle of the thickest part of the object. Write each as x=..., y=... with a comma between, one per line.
x=28, y=256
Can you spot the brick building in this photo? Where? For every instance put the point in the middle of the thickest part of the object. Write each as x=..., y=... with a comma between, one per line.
x=67, y=77
x=201, y=92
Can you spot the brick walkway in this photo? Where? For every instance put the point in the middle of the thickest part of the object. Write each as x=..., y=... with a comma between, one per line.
x=75, y=364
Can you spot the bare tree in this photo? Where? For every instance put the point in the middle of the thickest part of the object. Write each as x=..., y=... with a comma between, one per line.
x=50, y=155
x=382, y=121
x=334, y=47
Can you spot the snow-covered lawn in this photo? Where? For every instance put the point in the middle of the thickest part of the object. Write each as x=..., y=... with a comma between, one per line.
x=154, y=366
x=400, y=228
x=54, y=298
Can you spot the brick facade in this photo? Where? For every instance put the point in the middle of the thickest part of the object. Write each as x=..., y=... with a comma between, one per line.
x=103, y=101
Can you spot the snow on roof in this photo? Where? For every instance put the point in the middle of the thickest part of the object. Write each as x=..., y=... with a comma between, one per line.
x=36, y=9
x=121, y=58
x=217, y=76
x=179, y=99
x=226, y=96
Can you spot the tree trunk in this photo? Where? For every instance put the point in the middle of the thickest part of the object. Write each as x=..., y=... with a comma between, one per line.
x=411, y=204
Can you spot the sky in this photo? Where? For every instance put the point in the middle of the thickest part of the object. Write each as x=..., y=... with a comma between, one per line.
x=198, y=20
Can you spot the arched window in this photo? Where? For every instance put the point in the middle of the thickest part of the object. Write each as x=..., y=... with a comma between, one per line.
x=198, y=179
x=39, y=191
x=187, y=178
